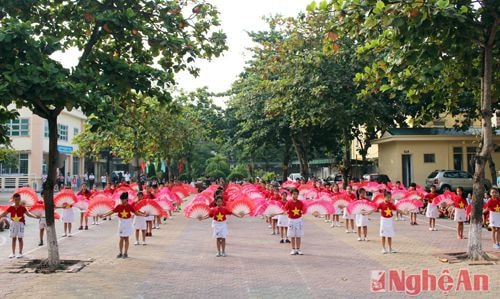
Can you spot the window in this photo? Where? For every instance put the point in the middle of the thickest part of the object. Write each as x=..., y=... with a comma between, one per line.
x=63, y=132
x=429, y=158
x=471, y=162
x=458, y=158
x=75, y=132
x=451, y=174
x=23, y=163
x=46, y=129
x=18, y=127
x=76, y=165
x=21, y=166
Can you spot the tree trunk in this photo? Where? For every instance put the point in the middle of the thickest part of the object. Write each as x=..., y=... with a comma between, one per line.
x=137, y=167
x=53, y=249
x=493, y=171
x=301, y=152
x=474, y=247
x=169, y=168
x=346, y=163
x=286, y=159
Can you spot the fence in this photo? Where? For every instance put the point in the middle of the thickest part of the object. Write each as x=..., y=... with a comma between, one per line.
x=9, y=183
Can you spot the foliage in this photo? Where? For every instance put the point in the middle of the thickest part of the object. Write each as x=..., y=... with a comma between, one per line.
x=8, y=157
x=217, y=167
x=269, y=176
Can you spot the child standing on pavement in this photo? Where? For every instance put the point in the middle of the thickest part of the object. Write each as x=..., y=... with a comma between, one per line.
x=349, y=218
x=283, y=221
x=460, y=205
x=68, y=216
x=294, y=209
x=493, y=206
x=124, y=211
x=140, y=223
x=387, y=209
x=362, y=219
x=219, y=225
x=432, y=211
x=17, y=212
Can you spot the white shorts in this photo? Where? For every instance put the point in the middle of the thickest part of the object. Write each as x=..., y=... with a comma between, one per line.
x=220, y=229
x=42, y=223
x=276, y=217
x=494, y=219
x=125, y=227
x=150, y=218
x=140, y=222
x=295, y=228
x=68, y=216
x=348, y=216
x=283, y=221
x=459, y=215
x=432, y=211
x=361, y=220
x=386, y=227
x=16, y=229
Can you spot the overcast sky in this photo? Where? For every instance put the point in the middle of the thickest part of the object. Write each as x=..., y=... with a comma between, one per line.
x=237, y=17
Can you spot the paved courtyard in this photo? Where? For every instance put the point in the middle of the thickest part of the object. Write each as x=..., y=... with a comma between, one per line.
x=179, y=262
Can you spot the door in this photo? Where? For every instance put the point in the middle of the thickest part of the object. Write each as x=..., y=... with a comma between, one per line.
x=407, y=170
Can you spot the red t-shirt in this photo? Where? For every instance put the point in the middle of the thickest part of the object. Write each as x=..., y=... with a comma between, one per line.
x=430, y=197
x=17, y=214
x=386, y=209
x=460, y=202
x=85, y=193
x=494, y=204
x=219, y=214
x=149, y=196
x=124, y=211
x=294, y=209
x=352, y=196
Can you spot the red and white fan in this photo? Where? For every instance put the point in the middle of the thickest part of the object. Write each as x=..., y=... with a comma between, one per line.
x=324, y=196
x=409, y=205
x=415, y=195
x=99, y=207
x=82, y=204
x=165, y=204
x=361, y=206
x=28, y=196
x=100, y=196
x=444, y=199
x=272, y=208
x=38, y=209
x=150, y=207
x=398, y=194
x=243, y=206
x=341, y=201
x=290, y=184
x=319, y=207
x=197, y=211
x=65, y=197
x=378, y=198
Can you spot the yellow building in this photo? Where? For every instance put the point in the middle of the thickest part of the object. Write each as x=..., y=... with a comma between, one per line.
x=411, y=154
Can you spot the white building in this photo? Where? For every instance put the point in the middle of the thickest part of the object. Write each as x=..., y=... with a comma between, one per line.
x=29, y=136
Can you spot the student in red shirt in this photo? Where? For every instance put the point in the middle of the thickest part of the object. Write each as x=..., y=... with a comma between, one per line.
x=432, y=211
x=17, y=212
x=294, y=210
x=219, y=224
x=387, y=209
x=275, y=195
x=493, y=206
x=124, y=211
x=460, y=205
x=349, y=218
x=86, y=193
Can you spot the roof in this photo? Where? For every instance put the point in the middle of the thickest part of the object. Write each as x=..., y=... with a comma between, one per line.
x=425, y=134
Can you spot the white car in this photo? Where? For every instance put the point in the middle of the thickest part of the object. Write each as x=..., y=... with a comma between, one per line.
x=294, y=176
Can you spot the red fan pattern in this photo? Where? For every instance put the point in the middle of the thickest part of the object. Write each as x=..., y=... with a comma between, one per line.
x=361, y=206
x=28, y=196
x=66, y=196
x=98, y=208
x=197, y=211
x=409, y=205
x=242, y=206
x=150, y=207
x=320, y=207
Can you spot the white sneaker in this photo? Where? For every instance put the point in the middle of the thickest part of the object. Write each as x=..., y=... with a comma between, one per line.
x=353, y=232
x=293, y=252
x=359, y=239
x=218, y=254
x=299, y=252
x=144, y=244
x=333, y=225
x=434, y=229
x=393, y=251
x=431, y=229
x=365, y=239
x=136, y=243
x=347, y=231
x=384, y=251
x=223, y=254
x=12, y=255
x=19, y=255
x=496, y=246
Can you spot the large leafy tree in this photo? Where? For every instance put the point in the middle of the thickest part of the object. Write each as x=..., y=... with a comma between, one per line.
x=440, y=53
x=123, y=45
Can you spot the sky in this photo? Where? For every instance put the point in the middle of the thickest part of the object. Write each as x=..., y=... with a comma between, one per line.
x=237, y=18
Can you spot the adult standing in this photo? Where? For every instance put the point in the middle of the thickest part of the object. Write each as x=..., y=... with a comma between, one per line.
x=91, y=180
x=104, y=180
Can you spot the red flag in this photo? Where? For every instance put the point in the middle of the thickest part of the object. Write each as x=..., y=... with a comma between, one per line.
x=181, y=166
x=143, y=166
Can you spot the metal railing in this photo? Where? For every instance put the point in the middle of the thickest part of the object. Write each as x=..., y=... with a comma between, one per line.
x=12, y=182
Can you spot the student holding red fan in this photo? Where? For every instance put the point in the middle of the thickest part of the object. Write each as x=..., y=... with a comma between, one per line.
x=387, y=209
x=124, y=211
x=219, y=225
x=460, y=205
x=294, y=209
x=493, y=206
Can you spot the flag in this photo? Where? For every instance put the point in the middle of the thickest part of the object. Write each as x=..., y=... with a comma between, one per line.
x=181, y=166
x=163, y=166
x=143, y=166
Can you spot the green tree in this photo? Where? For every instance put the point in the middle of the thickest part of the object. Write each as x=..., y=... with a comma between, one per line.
x=217, y=167
x=120, y=42
x=440, y=53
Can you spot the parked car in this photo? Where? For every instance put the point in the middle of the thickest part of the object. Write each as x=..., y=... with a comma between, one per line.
x=335, y=178
x=294, y=176
x=376, y=177
x=451, y=179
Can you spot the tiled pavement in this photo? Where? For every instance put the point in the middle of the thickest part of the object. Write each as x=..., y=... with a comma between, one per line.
x=179, y=262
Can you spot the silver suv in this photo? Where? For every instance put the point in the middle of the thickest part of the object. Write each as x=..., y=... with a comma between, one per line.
x=451, y=179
